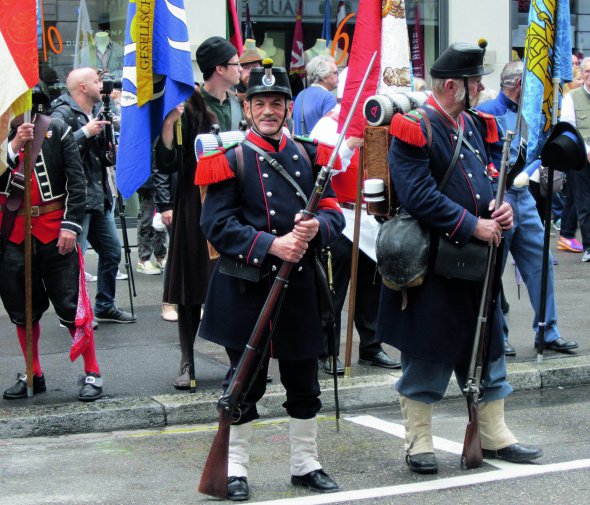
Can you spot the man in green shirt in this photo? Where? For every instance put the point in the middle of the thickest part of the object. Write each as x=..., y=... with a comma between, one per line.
x=219, y=63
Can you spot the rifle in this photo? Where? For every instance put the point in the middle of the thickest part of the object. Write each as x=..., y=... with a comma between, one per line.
x=214, y=478
x=472, y=456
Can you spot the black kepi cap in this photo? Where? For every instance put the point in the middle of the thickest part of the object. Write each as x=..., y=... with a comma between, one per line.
x=268, y=79
x=214, y=51
x=461, y=60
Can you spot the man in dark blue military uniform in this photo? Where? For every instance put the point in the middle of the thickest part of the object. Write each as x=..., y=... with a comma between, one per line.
x=251, y=216
x=435, y=331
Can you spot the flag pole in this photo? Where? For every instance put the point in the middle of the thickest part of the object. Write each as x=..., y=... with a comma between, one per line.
x=28, y=264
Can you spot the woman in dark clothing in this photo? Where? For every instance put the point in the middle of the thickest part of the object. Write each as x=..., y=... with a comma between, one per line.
x=185, y=285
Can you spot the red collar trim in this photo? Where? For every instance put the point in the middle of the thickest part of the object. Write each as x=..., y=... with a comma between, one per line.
x=432, y=101
x=258, y=140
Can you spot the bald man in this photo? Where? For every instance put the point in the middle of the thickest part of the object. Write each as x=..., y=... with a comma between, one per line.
x=80, y=108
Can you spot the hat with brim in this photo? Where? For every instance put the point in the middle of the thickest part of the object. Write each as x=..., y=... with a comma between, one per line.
x=214, y=51
x=251, y=53
x=565, y=148
x=460, y=60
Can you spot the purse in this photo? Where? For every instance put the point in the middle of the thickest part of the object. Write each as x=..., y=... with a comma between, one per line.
x=468, y=262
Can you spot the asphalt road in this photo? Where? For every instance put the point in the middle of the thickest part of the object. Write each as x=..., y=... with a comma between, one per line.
x=163, y=466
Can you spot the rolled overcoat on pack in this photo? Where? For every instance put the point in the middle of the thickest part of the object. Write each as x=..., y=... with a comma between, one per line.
x=440, y=319
x=241, y=217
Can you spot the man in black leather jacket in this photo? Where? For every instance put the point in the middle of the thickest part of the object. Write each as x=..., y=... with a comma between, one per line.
x=80, y=109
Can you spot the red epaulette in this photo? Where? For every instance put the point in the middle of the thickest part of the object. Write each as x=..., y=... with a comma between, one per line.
x=213, y=167
x=407, y=127
x=492, y=135
x=323, y=156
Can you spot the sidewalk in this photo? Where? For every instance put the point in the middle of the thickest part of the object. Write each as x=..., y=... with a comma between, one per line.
x=139, y=362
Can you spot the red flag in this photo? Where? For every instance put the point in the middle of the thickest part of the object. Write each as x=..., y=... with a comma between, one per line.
x=18, y=61
x=233, y=27
x=367, y=40
x=297, y=65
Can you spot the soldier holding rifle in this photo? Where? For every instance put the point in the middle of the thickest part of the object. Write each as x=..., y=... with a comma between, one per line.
x=251, y=215
x=435, y=331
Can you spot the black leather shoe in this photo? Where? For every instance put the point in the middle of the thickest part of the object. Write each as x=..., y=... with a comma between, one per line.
x=561, y=345
x=114, y=315
x=326, y=366
x=19, y=390
x=237, y=489
x=508, y=349
x=424, y=462
x=515, y=453
x=91, y=389
x=380, y=359
x=317, y=481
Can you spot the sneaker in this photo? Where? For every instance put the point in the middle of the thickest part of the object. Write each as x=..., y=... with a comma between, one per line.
x=114, y=315
x=90, y=277
x=569, y=244
x=160, y=263
x=91, y=387
x=147, y=268
x=586, y=256
x=121, y=276
x=557, y=224
x=169, y=312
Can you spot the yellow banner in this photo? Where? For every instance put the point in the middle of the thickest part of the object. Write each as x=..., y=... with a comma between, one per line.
x=142, y=30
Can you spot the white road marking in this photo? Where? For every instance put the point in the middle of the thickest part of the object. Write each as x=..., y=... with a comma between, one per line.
x=505, y=471
x=518, y=471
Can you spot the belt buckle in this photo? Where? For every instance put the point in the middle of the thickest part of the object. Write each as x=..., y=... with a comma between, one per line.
x=35, y=211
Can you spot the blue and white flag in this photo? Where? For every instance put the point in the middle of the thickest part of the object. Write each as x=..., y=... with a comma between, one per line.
x=548, y=52
x=157, y=76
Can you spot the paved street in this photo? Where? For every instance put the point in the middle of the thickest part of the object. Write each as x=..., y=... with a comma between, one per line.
x=139, y=362
x=163, y=466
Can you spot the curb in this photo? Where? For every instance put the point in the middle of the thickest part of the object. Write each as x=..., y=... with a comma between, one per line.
x=369, y=391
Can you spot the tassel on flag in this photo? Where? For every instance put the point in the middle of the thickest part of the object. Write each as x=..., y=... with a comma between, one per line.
x=297, y=65
x=233, y=27
x=19, y=63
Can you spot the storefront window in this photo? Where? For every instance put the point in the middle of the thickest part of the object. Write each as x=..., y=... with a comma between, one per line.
x=78, y=33
x=273, y=22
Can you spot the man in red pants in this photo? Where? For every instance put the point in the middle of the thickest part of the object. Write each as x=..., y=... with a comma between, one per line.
x=58, y=198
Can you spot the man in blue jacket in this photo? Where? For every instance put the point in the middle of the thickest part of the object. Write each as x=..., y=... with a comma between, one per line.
x=525, y=240
x=434, y=329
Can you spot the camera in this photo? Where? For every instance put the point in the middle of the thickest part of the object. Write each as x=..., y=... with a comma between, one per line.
x=109, y=84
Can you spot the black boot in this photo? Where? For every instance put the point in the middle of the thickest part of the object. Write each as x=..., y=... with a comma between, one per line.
x=424, y=462
x=19, y=390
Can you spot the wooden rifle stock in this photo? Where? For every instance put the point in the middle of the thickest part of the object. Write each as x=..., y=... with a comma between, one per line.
x=472, y=456
x=214, y=478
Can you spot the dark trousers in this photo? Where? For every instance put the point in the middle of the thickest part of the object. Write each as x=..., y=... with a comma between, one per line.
x=368, y=290
x=569, y=216
x=54, y=277
x=580, y=189
x=299, y=377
